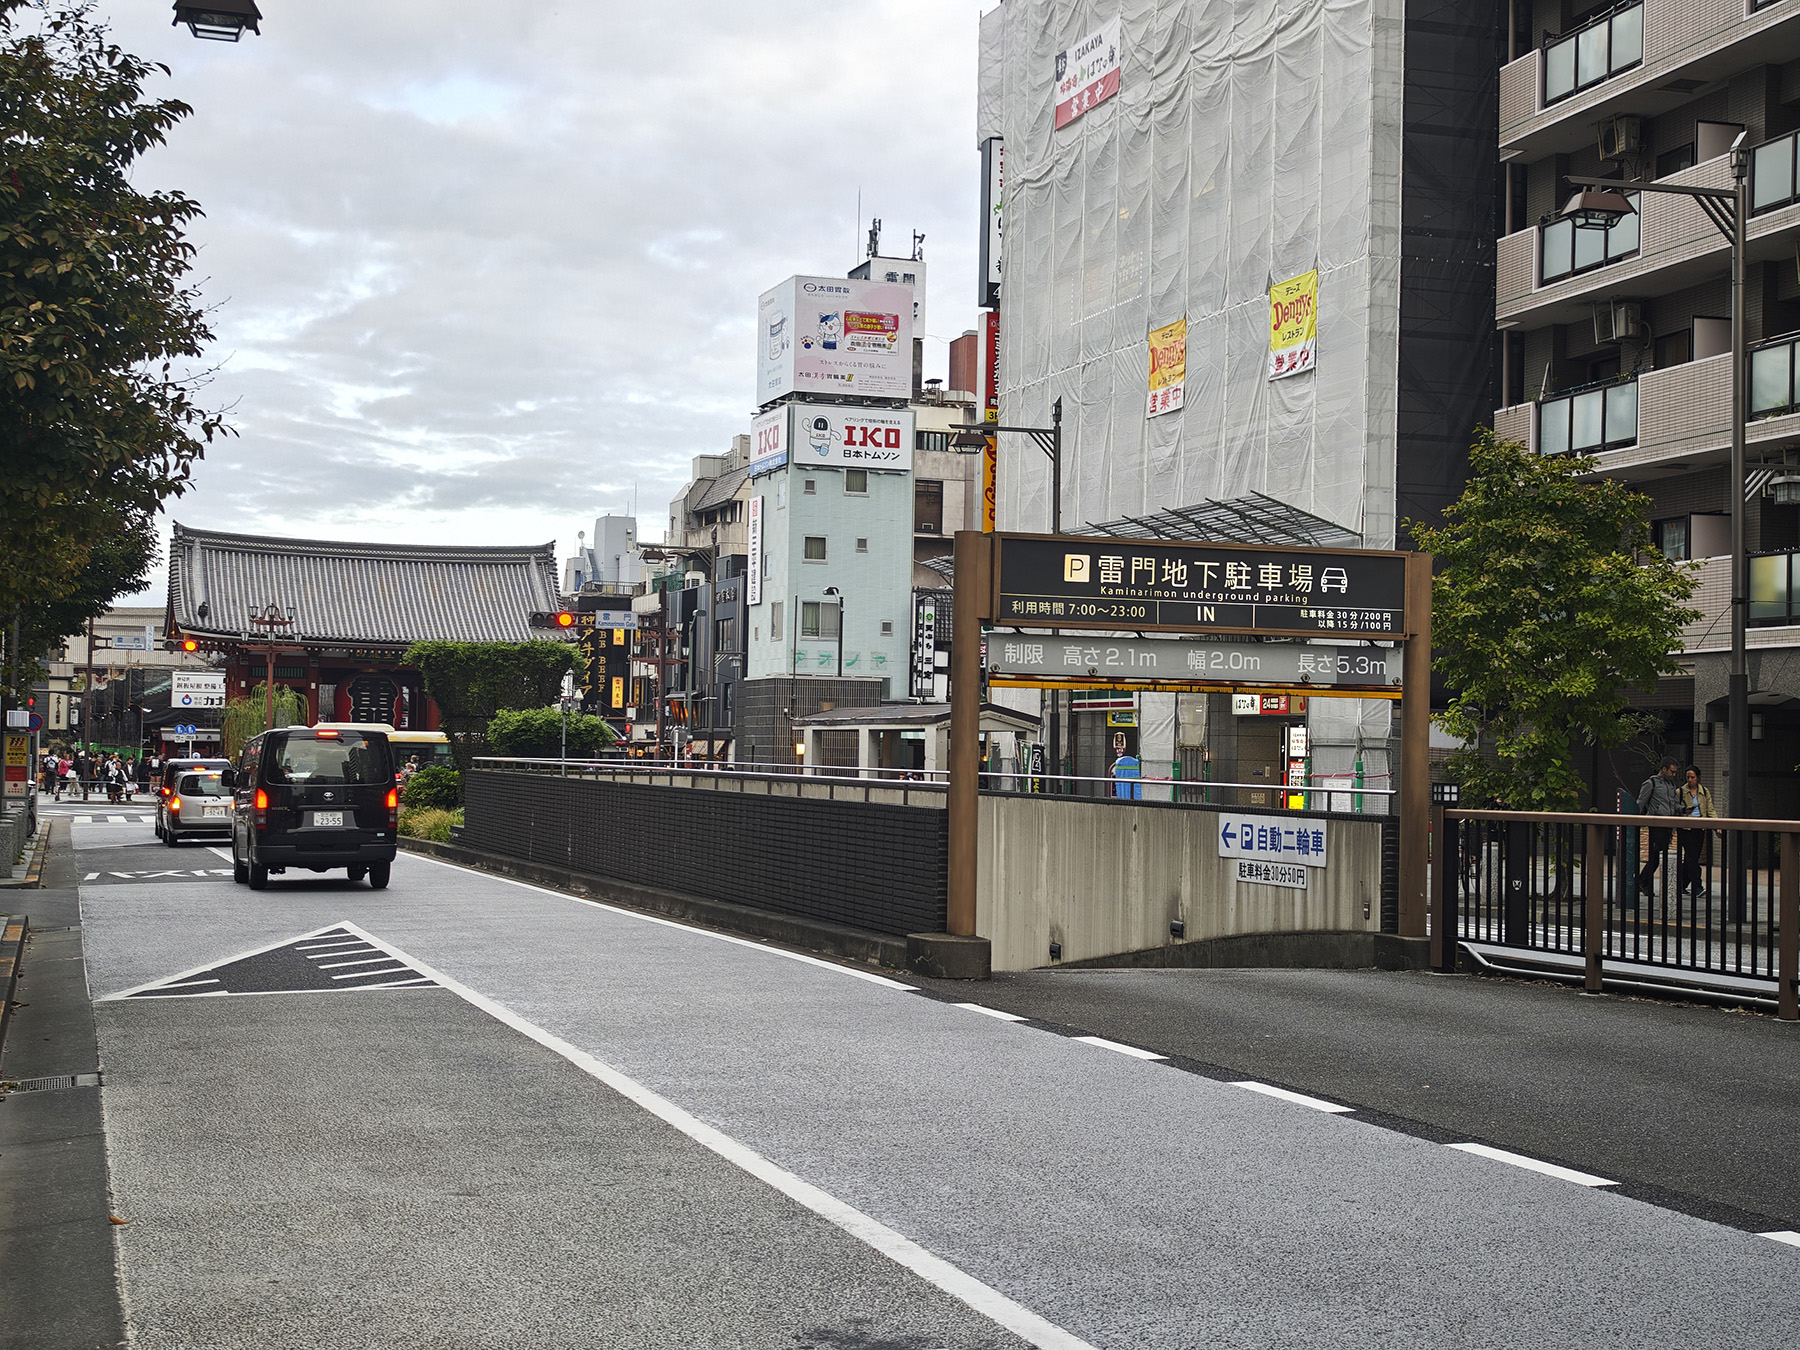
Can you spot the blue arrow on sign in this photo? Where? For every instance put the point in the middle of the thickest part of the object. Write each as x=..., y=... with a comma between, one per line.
x=1227, y=836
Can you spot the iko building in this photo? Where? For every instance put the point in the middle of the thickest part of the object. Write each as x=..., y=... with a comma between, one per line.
x=1617, y=342
x=1246, y=246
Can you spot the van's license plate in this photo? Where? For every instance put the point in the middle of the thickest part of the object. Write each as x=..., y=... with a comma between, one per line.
x=320, y=818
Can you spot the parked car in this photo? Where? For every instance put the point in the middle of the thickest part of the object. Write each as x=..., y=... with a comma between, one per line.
x=164, y=785
x=317, y=798
x=198, y=806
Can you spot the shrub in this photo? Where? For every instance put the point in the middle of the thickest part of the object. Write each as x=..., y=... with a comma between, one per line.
x=428, y=823
x=437, y=788
x=536, y=733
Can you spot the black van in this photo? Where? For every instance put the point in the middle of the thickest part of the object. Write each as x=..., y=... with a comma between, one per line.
x=316, y=798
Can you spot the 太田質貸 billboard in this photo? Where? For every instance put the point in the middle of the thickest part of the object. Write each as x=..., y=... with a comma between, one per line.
x=834, y=335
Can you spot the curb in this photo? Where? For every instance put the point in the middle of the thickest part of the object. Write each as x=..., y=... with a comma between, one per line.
x=849, y=944
x=34, y=868
x=12, y=948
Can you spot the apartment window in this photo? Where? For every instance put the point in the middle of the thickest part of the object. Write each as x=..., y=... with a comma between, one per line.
x=1587, y=420
x=862, y=545
x=724, y=635
x=818, y=619
x=1772, y=380
x=815, y=548
x=887, y=628
x=928, y=506
x=1672, y=539
x=775, y=621
x=1675, y=349
x=810, y=488
x=1601, y=48
x=856, y=482
x=931, y=440
x=1564, y=251
x=1772, y=180
x=1674, y=161
x=1775, y=589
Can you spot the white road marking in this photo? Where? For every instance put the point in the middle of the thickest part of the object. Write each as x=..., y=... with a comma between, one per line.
x=227, y=960
x=1297, y=1098
x=224, y=853
x=364, y=974
x=1533, y=1164
x=1131, y=1050
x=1786, y=1235
x=340, y=965
x=335, y=946
x=868, y=976
x=185, y=984
x=965, y=1288
x=991, y=1012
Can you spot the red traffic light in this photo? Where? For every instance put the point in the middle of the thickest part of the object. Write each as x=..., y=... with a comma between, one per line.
x=564, y=619
x=189, y=645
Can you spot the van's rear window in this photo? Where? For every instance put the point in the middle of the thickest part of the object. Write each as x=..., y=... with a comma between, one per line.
x=345, y=759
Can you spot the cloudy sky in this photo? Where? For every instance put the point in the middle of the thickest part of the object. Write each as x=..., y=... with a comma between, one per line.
x=481, y=272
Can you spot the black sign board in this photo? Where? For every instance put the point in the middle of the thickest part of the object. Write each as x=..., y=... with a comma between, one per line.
x=1046, y=581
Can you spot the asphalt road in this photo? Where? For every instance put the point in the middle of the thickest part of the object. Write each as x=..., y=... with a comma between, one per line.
x=590, y=1127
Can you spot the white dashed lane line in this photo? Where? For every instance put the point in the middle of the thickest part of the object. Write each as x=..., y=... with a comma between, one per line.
x=1131, y=1050
x=991, y=1012
x=1784, y=1235
x=1532, y=1164
x=1297, y=1098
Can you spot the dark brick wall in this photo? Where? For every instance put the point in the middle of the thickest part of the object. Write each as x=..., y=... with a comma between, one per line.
x=862, y=865
x=764, y=729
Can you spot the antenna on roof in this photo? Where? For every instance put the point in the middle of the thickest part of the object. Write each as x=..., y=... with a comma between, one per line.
x=874, y=236
x=918, y=253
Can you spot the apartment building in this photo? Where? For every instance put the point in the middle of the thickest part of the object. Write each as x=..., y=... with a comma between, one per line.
x=1617, y=342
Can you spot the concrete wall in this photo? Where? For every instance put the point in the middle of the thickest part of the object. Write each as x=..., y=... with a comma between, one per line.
x=1108, y=877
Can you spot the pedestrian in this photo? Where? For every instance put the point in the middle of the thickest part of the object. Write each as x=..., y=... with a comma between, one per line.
x=1659, y=796
x=69, y=782
x=1696, y=803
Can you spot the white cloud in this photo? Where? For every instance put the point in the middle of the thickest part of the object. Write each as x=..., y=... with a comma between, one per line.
x=483, y=272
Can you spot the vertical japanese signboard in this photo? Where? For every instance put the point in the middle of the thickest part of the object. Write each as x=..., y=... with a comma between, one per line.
x=990, y=366
x=924, y=645
x=1087, y=74
x=993, y=174
x=18, y=764
x=1168, y=368
x=1293, y=325
x=753, y=582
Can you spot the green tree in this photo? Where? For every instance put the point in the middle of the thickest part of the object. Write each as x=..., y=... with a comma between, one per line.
x=246, y=717
x=1549, y=607
x=472, y=681
x=537, y=733
x=98, y=418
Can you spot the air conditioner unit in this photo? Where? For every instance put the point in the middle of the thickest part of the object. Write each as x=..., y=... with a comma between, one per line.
x=1621, y=136
x=1619, y=321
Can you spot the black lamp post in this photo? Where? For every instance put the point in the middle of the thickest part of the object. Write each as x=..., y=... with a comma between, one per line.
x=269, y=619
x=833, y=590
x=218, y=20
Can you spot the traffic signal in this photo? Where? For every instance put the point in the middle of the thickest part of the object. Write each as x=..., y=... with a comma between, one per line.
x=190, y=645
x=562, y=621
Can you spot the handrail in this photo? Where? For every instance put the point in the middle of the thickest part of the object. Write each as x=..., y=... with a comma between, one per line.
x=1770, y=826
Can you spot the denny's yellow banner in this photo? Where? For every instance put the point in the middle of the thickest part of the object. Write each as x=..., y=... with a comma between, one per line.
x=1293, y=325
x=1168, y=368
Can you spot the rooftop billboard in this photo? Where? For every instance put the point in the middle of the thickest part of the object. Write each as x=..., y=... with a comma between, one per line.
x=834, y=336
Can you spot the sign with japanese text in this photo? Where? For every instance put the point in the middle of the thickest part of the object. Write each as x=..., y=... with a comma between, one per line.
x=1171, y=659
x=924, y=644
x=754, y=579
x=18, y=765
x=834, y=335
x=990, y=366
x=195, y=689
x=769, y=441
x=993, y=178
x=1272, y=839
x=1168, y=368
x=1087, y=74
x=826, y=435
x=1102, y=583
x=1293, y=325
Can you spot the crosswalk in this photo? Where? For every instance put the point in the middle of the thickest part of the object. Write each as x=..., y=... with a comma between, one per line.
x=105, y=817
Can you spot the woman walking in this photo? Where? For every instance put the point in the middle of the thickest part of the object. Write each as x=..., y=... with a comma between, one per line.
x=1696, y=804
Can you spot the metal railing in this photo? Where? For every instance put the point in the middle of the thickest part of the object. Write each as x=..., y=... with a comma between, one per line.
x=1565, y=250
x=1774, y=589
x=1582, y=421
x=1649, y=900
x=1601, y=48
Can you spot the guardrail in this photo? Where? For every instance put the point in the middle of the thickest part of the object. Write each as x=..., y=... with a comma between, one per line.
x=1711, y=906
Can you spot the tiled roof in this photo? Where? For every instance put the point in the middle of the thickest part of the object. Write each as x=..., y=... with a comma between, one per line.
x=387, y=594
x=719, y=490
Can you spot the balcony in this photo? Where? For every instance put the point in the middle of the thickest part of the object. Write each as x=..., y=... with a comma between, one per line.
x=1587, y=421
x=1551, y=98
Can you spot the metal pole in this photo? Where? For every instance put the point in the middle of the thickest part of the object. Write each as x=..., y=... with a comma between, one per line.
x=1738, y=727
x=1593, y=867
x=968, y=606
x=1056, y=764
x=1415, y=751
x=1788, y=960
x=87, y=688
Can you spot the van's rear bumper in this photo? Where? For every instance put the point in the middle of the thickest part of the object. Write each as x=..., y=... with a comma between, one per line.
x=312, y=855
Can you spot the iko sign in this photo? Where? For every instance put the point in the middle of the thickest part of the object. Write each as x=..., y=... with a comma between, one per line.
x=1049, y=582
x=1170, y=659
x=814, y=435
x=1087, y=74
x=834, y=335
x=1271, y=850
x=189, y=689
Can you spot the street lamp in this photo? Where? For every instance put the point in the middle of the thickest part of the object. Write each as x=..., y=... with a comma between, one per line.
x=1049, y=440
x=218, y=20
x=1729, y=211
x=270, y=618
x=833, y=590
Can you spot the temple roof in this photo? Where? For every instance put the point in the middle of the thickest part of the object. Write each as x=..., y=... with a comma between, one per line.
x=350, y=593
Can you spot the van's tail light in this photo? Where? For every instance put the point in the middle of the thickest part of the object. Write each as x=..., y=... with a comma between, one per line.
x=262, y=809
x=175, y=805
x=163, y=790
x=393, y=805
